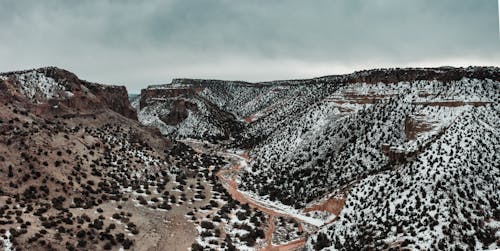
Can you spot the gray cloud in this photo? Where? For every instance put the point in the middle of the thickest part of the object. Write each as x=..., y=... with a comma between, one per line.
x=143, y=42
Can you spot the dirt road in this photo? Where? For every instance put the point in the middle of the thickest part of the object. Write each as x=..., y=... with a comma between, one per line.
x=228, y=178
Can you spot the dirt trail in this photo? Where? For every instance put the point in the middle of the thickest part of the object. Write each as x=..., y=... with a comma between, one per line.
x=269, y=232
x=229, y=182
x=222, y=233
x=228, y=178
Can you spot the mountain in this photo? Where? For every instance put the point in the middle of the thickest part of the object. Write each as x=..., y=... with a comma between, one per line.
x=405, y=158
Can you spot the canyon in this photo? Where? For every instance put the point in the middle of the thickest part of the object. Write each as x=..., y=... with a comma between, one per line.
x=385, y=159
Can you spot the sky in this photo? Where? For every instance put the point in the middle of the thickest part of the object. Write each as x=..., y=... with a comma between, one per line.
x=139, y=43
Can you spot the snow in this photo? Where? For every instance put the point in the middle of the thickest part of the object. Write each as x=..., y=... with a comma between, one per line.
x=283, y=209
x=69, y=94
x=6, y=242
x=34, y=84
x=420, y=175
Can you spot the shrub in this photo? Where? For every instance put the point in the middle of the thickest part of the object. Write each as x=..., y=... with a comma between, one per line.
x=322, y=241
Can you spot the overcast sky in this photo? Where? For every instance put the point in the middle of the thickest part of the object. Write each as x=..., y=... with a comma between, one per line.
x=137, y=43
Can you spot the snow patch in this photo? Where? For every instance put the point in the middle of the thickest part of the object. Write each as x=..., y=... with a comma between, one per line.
x=34, y=84
x=6, y=242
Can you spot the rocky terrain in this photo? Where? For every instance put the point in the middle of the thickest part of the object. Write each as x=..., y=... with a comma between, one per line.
x=389, y=159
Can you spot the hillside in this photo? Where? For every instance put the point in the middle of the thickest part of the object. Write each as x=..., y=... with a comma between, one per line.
x=405, y=157
x=78, y=171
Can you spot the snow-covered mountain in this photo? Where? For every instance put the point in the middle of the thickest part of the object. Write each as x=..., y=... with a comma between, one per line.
x=411, y=155
x=181, y=110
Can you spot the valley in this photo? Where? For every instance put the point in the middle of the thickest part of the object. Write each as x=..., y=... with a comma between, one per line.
x=386, y=159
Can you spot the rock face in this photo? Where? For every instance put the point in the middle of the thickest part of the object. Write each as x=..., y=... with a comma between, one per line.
x=180, y=112
x=114, y=97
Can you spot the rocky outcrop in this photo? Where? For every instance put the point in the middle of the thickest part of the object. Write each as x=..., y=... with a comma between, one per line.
x=62, y=92
x=114, y=97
